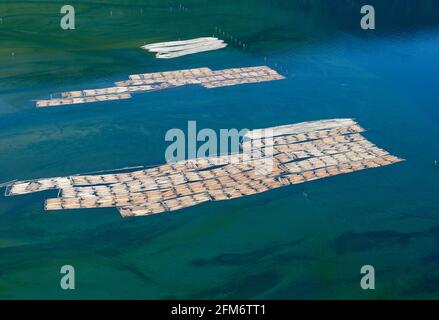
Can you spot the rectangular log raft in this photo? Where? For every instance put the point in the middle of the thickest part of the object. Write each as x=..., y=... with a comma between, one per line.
x=175, y=49
x=300, y=153
x=140, y=83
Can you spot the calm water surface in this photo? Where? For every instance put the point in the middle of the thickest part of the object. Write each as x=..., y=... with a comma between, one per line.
x=305, y=241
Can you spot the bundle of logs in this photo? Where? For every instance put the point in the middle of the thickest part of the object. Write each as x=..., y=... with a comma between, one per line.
x=298, y=153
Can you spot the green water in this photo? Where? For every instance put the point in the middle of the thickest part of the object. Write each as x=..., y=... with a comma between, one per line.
x=300, y=242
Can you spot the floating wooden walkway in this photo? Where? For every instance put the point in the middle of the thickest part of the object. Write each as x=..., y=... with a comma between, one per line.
x=300, y=153
x=139, y=83
x=175, y=49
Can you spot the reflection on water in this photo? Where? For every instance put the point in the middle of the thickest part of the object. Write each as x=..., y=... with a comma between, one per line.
x=306, y=241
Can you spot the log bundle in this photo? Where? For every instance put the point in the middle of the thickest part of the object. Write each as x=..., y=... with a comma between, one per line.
x=140, y=83
x=292, y=154
x=175, y=49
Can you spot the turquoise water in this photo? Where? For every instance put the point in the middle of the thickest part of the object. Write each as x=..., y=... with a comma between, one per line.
x=300, y=242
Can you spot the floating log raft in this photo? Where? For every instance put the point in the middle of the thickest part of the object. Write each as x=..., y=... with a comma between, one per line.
x=85, y=99
x=175, y=49
x=291, y=154
x=139, y=83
